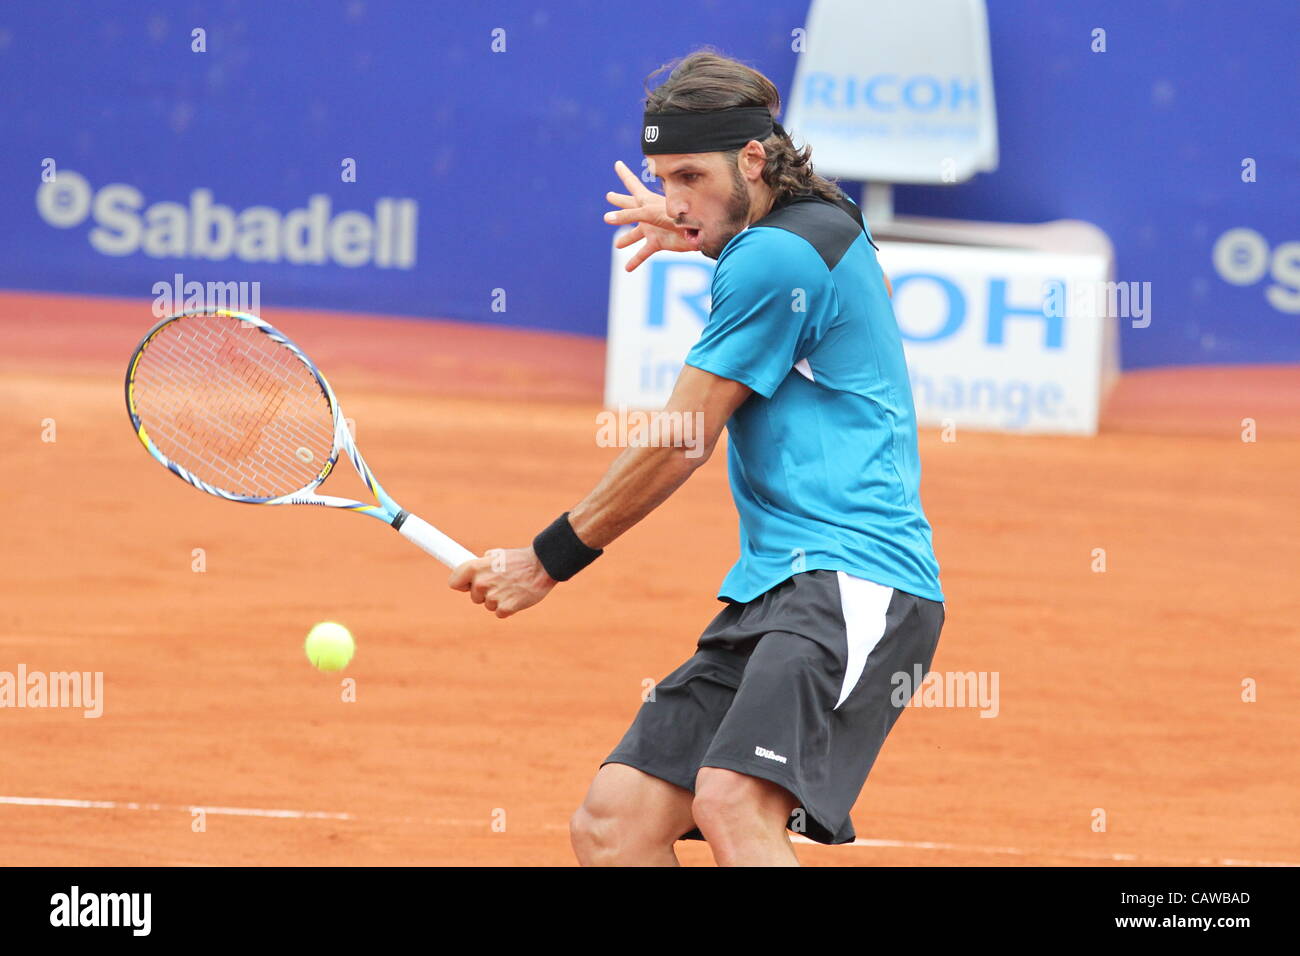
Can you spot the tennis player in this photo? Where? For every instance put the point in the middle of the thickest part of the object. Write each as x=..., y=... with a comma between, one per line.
x=775, y=721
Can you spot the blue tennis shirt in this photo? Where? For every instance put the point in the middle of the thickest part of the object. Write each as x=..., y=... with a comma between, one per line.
x=822, y=459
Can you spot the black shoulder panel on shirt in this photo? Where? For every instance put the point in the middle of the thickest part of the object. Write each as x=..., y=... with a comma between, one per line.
x=830, y=227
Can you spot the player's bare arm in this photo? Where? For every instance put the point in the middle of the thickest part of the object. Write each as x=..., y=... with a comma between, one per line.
x=642, y=478
x=506, y=581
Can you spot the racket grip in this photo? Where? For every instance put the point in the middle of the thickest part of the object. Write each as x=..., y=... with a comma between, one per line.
x=425, y=536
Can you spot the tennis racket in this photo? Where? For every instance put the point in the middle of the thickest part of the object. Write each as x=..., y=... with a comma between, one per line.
x=229, y=404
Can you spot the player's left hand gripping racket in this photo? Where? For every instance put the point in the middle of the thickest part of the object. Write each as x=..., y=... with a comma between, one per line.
x=228, y=403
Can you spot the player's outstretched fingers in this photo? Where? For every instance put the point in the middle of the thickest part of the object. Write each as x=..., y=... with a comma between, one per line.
x=644, y=253
x=622, y=200
x=628, y=238
x=630, y=179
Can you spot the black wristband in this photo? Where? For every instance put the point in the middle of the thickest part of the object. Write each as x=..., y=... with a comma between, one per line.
x=561, y=551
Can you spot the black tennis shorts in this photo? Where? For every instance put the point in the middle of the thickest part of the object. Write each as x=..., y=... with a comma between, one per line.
x=800, y=687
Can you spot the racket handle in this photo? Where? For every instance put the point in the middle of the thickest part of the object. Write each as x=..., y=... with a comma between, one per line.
x=425, y=536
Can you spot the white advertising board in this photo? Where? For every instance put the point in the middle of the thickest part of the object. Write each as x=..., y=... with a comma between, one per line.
x=1003, y=339
x=896, y=91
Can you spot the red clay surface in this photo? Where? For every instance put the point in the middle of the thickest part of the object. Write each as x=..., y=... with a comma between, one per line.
x=1119, y=691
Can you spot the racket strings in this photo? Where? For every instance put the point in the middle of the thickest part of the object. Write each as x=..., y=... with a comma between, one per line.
x=233, y=407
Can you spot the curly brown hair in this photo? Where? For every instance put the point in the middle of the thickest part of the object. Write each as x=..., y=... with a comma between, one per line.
x=705, y=81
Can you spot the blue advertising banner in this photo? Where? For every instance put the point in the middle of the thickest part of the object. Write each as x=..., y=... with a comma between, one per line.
x=439, y=159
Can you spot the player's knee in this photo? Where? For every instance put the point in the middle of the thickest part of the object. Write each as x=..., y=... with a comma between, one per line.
x=719, y=801
x=595, y=837
x=605, y=834
x=726, y=800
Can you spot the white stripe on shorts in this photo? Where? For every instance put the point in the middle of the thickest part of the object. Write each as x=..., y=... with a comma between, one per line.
x=864, y=604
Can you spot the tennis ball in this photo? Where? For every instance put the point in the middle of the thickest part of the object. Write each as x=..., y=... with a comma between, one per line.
x=330, y=646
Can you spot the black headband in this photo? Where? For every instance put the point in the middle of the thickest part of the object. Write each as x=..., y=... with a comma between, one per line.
x=712, y=132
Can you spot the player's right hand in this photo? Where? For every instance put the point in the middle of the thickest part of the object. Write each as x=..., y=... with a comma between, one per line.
x=649, y=211
x=505, y=581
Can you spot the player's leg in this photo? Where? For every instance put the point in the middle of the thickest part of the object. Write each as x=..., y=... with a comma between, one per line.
x=818, y=696
x=640, y=802
x=744, y=818
x=630, y=818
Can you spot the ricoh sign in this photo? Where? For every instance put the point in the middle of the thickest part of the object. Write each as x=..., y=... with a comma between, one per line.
x=996, y=339
x=123, y=222
x=889, y=95
x=896, y=92
x=1009, y=340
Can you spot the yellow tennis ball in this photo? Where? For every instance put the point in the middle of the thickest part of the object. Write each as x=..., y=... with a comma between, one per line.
x=330, y=646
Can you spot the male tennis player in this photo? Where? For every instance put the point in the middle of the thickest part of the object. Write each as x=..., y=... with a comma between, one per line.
x=775, y=721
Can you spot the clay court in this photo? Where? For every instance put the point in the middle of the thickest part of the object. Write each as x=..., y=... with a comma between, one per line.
x=471, y=740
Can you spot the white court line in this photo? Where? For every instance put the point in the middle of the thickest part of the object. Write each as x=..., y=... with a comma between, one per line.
x=1045, y=851
x=860, y=843
x=157, y=807
x=229, y=811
